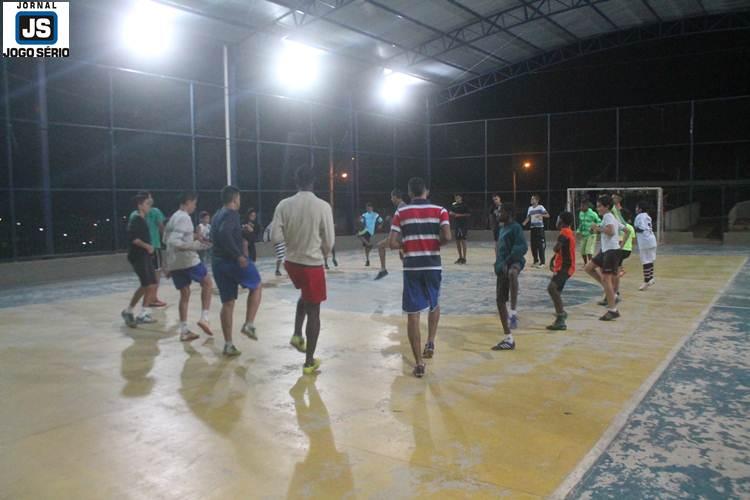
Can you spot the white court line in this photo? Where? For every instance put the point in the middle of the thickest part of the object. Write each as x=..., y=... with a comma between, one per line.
x=575, y=476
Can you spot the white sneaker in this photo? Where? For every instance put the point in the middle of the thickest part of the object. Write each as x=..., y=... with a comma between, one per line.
x=643, y=286
x=249, y=331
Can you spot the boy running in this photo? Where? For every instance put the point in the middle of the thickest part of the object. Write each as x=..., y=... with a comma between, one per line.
x=646, y=244
x=535, y=216
x=185, y=266
x=563, y=267
x=460, y=213
x=398, y=202
x=511, y=248
x=605, y=265
x=420, y=228
x=140, y=256
x=305, y=223
x=370, y=221
x=155, y=222
x=231, y=268
x=586, y=219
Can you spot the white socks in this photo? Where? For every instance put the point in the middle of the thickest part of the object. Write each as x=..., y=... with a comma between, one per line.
x=509, y=338
x=183, y=328
x=144, y=311
x=513, y=312
x=204, y=315
x=130, y=310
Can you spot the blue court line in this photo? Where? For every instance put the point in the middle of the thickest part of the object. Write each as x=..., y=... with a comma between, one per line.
x=690, y=436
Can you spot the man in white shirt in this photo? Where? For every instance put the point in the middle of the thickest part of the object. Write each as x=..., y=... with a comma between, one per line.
x=305, y=223
x=646, y=243
x=605, y=265
x=535, y=216
x=185, y=266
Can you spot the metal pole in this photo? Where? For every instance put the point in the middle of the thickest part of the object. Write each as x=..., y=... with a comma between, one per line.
x=9, y=159
x=486, y=200
x=227, y=129
x=514, y=188
x=331, y=176
x=428, y=140
x=193, y=156
x=617, y=144
x=258, y=176
x=41, y=79
x=113, y=161
x=355, y=163
x=549, y=169
x=692, y=151
x=393, y=152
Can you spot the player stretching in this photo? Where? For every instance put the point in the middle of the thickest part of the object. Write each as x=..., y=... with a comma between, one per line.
x=605, y=265
x=420, y=228
x=586, y=219
x=398, y=201
x=646, y=244
x=511, y=248
x=563, y=265
x=305, y=223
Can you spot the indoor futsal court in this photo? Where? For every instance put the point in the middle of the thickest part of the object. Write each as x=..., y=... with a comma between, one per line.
x=378, y=249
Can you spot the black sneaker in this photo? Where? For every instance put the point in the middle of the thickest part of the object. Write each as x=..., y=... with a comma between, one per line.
x=610, y=315
x=429, y=350
x=559, y=324
x=458, y=261
x=367, y=263
x=381, y=274
x=418, y=371
x=278, y=273
x=335, y=263
x=504, y=346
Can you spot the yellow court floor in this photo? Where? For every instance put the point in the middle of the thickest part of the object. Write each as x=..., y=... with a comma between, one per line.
x=90, y=409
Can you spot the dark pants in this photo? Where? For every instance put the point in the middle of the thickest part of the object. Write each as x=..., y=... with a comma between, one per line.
x=537, y=244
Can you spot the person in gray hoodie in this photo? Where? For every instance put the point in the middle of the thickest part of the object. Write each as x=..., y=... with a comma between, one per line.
x=184, y=264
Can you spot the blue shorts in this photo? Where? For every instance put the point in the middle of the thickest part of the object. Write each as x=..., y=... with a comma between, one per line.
x=421, y=291
x=228, y=275
x=183, y=277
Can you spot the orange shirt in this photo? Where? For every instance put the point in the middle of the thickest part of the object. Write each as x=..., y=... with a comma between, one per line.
x=565, y=253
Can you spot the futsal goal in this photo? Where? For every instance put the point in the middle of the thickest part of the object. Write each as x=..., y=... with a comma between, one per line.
x=631, y=196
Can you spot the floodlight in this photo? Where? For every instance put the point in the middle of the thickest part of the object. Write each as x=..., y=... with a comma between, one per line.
x=148, y=28
x=395, y=84
x=298, y=65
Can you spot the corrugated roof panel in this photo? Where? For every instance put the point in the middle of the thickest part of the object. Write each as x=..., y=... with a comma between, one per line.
x=675, y=9
x=542, y=34
x=628, y=14
x=506, y=47
x=718, y=6
x=441, y=15
x=487, y=7
x=379, y=22
x=583, y=23
x=470, y=59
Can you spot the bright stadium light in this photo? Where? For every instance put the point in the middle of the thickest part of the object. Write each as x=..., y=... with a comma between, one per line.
x=395, y=84
x=298, y=64
x=148, y=28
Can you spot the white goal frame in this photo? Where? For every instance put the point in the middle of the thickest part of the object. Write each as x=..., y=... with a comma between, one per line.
x=659, y=202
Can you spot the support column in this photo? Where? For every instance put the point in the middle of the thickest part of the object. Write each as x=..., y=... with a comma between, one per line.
x=41, y=80
x=227, y=123
x=549, y=159
x=428, y=141
x=617, y=144
x=691, y=159
x=258, y=176
x=193, y=152
x=113, y=162
x=9, y=160
x=486, y=199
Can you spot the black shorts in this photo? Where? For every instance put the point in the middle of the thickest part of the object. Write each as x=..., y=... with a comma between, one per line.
x=461, y=232
x=503, y=285
x=496, y=233
x=609, y=261
x=624, y=254
x=144, y=268
x=366, y=239
x=559, y=279
x=157, y=259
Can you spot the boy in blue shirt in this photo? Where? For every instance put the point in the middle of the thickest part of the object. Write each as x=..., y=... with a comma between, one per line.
x=370, y=221
x=511, y=249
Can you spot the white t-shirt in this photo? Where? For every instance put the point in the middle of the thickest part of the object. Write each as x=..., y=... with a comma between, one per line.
x=536, y=215
x=610, y=242
x=646, y=238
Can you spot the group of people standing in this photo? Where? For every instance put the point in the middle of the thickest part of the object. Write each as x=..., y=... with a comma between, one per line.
x=303, y=230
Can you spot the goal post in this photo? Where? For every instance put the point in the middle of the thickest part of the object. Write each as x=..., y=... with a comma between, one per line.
x=630, y=197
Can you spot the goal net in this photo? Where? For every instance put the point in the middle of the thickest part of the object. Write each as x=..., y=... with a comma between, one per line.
x=631, y=196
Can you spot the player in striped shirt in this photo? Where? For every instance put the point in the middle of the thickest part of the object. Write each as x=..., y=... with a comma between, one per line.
x=419, y=229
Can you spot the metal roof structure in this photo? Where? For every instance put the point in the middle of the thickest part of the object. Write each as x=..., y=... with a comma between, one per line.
x=459, y=46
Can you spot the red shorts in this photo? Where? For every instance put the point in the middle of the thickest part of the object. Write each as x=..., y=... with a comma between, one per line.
x=311, y=280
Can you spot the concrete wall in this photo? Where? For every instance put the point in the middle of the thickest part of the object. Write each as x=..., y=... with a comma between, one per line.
x=737, y=238
x=682, y=218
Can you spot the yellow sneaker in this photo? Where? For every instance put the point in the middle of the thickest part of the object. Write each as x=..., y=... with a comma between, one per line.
x=309, y=370
x=298, y=342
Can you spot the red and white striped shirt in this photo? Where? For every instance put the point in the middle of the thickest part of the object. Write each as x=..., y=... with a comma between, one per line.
x=419, y=224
